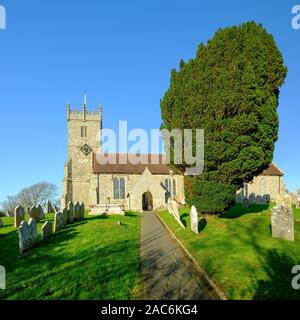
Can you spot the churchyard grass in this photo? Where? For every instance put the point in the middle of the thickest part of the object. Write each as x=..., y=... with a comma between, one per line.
x=95, y=258
x=236, y=249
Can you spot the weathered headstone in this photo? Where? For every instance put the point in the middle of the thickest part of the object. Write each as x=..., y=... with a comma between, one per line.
x=194, y=219
x=82, y=210
x=173, y=210
x=245, y=203
x=34, y=213
x=27, y=234
x=77, y=210
x=284, y=199
x=71, y=212
x=58, y=221
x=251, y=198
x=47, y=229
x=288, y=201
x=266, y=198
x=1, y=223
x=283, y=223
x=42, y=214
x=65, y=215
x=33, y=228
x=19, y=216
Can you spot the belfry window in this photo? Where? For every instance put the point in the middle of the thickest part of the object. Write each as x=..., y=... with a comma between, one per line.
x=83, y=132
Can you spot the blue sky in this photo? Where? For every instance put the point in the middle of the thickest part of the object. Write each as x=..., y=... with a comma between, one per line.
x=121, y=53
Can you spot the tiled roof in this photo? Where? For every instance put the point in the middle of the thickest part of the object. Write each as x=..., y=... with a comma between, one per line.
x=154, y=162
x=273, y=170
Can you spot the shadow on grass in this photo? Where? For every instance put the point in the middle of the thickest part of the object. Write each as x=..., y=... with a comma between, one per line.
x=237, y=211
x=277, y=286
x=131, y=214
x=183, y=217
x=62, y=267
x=97, y=217
x=202, y=224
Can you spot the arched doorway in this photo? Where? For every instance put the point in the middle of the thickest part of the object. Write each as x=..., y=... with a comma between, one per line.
x=147, y=201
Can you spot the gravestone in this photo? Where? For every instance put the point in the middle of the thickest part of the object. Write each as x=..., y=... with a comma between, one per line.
x=245, y=203
x=34, y=213
x=173, y=210
x=283, y=223
x=58, y=221
x=33, y=228
x=71, y=212
x=82, y=210
x=284, y=200
x=288, y=201
x=19, y=216
x=65, y=215
x=42, y=214
x=77, y=210
x=239, y=197
x=27, y=234
x=266, y=198
x=1, y=223
x=194, y=219
x=46, y=230
x=251, y=198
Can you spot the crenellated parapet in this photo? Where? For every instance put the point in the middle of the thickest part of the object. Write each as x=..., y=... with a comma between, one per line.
x=84, y=114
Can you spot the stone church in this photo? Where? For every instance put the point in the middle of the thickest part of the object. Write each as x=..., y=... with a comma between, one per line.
x=135, y=187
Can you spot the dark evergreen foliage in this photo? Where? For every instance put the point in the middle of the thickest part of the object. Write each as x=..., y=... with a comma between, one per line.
x=231, y=90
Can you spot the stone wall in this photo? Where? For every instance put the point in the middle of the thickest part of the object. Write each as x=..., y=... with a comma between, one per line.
x=135, y=186
x=262, y=185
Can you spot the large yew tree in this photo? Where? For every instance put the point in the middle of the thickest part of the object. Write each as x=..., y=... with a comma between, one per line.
x=231, y=90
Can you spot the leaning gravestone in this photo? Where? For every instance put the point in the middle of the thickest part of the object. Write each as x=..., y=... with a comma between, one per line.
x=245, y=203
x=65, y=215
x=194, y=220
x=19, y=216
x=71, y=212
x=82, y=211
x=173, y=210
x=27, y=234
x=46, y=230
x=34, y=213
x=42, y=214
x=77, y=210
x=283, y=223
x=58, y=221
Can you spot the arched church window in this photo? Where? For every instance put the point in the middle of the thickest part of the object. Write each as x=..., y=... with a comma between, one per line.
x=116, y=188
x=122, y=188
x=167, y=189
x=174, y=187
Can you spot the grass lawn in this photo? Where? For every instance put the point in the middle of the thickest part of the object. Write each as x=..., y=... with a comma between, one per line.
x=238, y=252
x=92, y=259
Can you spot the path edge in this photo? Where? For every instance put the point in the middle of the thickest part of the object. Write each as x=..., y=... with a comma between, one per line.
x=220, y=293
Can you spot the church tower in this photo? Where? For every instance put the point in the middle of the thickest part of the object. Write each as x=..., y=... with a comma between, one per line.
x=83, y=140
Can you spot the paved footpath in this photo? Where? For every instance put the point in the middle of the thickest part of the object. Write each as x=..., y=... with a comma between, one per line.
x=167, y=273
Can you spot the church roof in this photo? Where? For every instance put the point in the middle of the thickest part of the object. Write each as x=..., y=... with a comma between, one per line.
x=154, y=162
x=272, y=170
